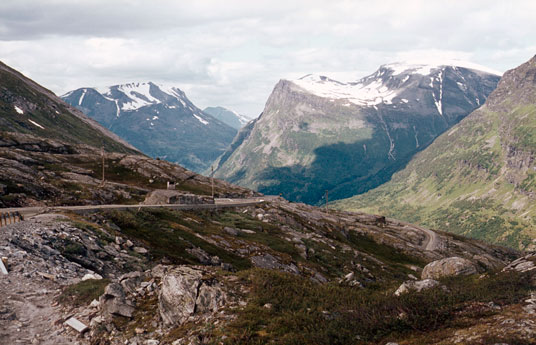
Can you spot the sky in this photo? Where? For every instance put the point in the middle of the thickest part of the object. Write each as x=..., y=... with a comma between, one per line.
x=232, y=53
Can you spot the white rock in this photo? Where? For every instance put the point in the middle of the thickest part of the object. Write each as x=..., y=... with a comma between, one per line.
x=140, y=250
x=416, y=286
x=77, y=325
x=92, y=276
x=94, y=304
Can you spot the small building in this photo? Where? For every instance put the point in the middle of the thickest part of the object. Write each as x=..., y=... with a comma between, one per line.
x=170, y=185
x=163, y=196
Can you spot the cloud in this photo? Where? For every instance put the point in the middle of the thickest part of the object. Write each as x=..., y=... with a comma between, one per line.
x=232, y=52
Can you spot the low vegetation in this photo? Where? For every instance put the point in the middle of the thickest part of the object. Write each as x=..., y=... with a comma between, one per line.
x=83, y=293
x=286, y=309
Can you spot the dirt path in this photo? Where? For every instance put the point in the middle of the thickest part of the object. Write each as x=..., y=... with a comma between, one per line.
x=28, y=312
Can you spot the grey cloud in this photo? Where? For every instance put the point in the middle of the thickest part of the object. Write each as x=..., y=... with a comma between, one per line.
x=232, y=52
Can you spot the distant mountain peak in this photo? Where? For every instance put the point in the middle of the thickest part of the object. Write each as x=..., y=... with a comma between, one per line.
x=228, y=116
x=316, y=133
x=383, y=86
x=425, y=67
x=159, y=119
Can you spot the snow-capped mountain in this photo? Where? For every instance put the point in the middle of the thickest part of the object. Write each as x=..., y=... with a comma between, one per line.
x=230, y=117
x=159, y=120
x=318, y=134
x=478, y=178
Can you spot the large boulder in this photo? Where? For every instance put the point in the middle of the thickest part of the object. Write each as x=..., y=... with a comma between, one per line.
x=453, y=266
x=418, y=286
x=184, y=293
x=113, y=301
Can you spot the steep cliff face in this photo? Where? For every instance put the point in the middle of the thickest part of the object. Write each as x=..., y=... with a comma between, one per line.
x=161, y=121
x=318, y=134
x=477, y=179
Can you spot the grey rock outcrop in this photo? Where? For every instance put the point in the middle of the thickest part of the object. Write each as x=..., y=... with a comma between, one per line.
x=523, y=264
x=453, y=266
x=417, y=286
x=184, y=293
x=113, y=301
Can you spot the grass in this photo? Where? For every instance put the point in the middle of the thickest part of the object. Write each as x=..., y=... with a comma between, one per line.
x=307, y=313
x=167, y=235
x=82, y=293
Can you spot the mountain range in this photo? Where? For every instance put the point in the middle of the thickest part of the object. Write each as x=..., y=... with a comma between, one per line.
x=478, y=178
x=158, y=120
x=53, y=154
x=261, y=271
x=317, y=134
x=229, y=117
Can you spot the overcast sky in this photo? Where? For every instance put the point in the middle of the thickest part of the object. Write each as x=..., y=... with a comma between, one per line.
x=231, y=53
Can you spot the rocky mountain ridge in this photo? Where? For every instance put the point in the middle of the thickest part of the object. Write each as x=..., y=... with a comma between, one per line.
x=477, y=179
x=159, y=120
x=317, y=134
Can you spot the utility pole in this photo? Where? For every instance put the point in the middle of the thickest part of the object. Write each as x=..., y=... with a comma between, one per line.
x=212, y=180
x=102, y=154
x=326, y=200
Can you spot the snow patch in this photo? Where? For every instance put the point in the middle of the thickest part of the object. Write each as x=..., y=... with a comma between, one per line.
x=425, y=67
x=172, y=91
x=201, y=119
x=82, y=97
x=139, y=94
x=364, y=92
x=117, y=108
x=438, y=102
x=19, y=110
x=36, y=124
x=155, y=117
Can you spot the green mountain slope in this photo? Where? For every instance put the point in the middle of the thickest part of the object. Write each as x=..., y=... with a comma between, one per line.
x=477, y=179
x=317, y=134
x=28, y=108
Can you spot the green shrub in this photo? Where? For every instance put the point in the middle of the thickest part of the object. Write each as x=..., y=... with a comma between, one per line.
x=82, y=293
x=304, y=312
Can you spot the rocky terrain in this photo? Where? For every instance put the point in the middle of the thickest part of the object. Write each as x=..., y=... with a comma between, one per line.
x=317, y=134
x=477, y=179
x=158, y=120
x=36, y=171
x=237, y=275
